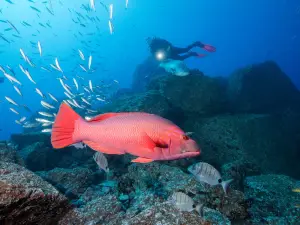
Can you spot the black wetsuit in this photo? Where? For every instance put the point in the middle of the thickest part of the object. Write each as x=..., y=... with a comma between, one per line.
x=172, y=52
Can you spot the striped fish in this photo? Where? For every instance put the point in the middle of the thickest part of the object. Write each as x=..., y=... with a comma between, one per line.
x=206, y=173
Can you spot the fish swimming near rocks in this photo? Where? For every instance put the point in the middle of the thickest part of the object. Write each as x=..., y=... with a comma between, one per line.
x=175, y=67
x=206, y=173
x=147, y=136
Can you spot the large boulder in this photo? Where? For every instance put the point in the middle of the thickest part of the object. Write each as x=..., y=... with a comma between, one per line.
x=40, y=156
x=268, y=143
x=195, y=93
x=98, y=211
x=272, y=199
x=144, y=72
x=25, y=198
x=163, y=180
x=25, y=139
x=9, y=154
x=262, y=88
x=167, y=214
x=72, y=182
x=150, y=102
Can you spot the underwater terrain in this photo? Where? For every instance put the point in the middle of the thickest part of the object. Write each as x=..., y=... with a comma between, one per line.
x=243, y=122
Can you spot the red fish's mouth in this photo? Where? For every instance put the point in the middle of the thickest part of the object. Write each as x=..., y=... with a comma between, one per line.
x=184, y=155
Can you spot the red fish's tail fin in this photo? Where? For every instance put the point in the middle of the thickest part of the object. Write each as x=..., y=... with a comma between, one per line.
x=63, y=127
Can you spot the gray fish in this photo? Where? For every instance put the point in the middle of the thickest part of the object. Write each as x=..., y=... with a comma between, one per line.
x=182, y=201
x=175, y=67
x=206, y=173
x=101, y=161
x=79, y=145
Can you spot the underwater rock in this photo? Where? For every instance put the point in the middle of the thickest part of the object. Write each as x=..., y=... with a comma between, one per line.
x=8, y=154
x=258, y=140
x=232, y=205
x=40, y=156
x=262, y=88
x=24, y=139
x=150, y=102
x=166, y=214
x=72, y=182
x=194, y=93
x=144, y=72
x=98, y=211
x=25, y=198
x=272, y=199
x=238, y=170
x=162, y=179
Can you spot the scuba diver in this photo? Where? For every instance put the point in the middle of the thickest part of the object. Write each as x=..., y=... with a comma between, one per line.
x=163, y=50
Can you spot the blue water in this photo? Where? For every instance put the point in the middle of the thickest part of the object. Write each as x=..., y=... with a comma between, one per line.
x=244, y=32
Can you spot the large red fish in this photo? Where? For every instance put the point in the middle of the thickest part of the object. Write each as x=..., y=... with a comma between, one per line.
x=147, y=136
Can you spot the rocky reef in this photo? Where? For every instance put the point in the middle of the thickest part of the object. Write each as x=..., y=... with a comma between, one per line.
x=247, y=126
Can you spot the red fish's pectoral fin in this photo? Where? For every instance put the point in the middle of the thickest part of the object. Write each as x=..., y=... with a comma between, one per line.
x=142, y=160
x=107, y=150
x=147, y=143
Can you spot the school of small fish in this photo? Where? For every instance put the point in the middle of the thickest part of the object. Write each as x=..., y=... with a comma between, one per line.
x=79, y=91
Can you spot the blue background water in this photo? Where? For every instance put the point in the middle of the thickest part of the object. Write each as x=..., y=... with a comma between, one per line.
x=243, y=32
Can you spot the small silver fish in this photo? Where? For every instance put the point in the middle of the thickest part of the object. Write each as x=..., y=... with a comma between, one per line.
x=11, y=78
x=182, y=201
x=18, y=91
x=110, y=27
x=41, y=120
x=90, y=85
x=57, y=65
x=29, y=76
x=101, y=161
x=206, y=173
x=39, y=92
x=47, y=105
x=79, y=145
x=85, y=101
x=46, y=131
x=52, y=97
x=45, y=114
x=22, y=119
x=14, y=111
x=11, y=101
x=40, y=48
x=90, y=61
x=76, y=84
x=81, y=54
x=82, y=67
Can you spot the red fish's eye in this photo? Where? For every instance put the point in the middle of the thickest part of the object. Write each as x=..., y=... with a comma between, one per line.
x=185, y=137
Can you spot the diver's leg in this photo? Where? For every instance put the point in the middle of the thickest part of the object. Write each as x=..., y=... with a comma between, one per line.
x=187, y=55
x=177, y=50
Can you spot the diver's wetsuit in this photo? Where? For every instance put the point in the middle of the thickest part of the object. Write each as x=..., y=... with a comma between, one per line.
x=175, y=51
x=172, y=52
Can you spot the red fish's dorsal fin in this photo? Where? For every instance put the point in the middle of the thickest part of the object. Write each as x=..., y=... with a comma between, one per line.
x=110, y=115
x=107, y=150
x=104, y=116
